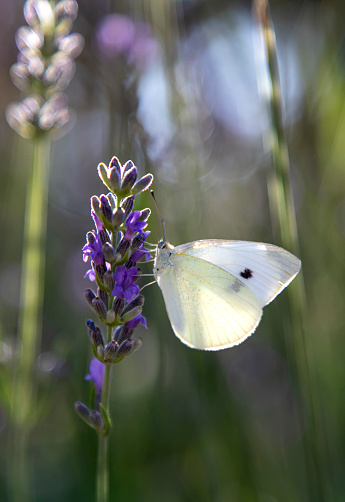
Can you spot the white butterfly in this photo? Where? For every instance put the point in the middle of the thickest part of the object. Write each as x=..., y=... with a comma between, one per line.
x=214, y=290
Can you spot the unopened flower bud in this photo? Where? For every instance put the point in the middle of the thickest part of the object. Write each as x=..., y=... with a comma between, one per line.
x=115, y=179
x=72, y=45
x=129, y=315
x=103, y=294
x=144, y=214
x=106, y=210
x=83, y=411
x=116, y=164
x=142, y=184
x=103, y=174
x=110, y=351
x=109, y=280
x=100, y=352
x=108, y=252
x=127, y=166
x=110, y=317
x=95, y=334
x=118, y=217
x=96, y=205
x=118, y=305
x=96, y=421
x=123, y=246
x=122, y=333
x=138, y=301
x=104, y=236
x=99, y=308
x=89, y=296
x=127, y=205
x=127, y=347
x=129, y=179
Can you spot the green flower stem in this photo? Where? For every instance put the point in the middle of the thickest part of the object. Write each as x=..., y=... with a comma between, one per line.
x=283, y=217
x=30, y=314
x=102, y=482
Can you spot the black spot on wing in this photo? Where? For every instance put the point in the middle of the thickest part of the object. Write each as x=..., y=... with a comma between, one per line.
x=246, y=273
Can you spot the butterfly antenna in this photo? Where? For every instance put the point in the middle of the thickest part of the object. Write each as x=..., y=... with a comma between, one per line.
x=159, y=214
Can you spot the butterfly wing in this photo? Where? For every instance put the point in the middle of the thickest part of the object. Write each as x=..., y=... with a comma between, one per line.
x=208, y=308
x=264, y=268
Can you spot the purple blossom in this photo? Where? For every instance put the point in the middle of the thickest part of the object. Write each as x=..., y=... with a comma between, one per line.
x=133, y=225
x=98, y=223
x=133, y=323
x=120, y=35
x=96, y=369
x=90, y=274
x=125, y=289
x=142, y=251
x=94, y=250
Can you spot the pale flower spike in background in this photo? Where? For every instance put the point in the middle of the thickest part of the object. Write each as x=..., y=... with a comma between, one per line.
x=44, y=68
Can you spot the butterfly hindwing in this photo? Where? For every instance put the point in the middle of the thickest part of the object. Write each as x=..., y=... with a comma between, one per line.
x=208, y=307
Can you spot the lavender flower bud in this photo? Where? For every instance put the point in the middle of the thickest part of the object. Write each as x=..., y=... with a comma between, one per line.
x=123, y=246
x=90, y=237
x=115, y=179
x=109, y=280
x=103, y=174
x=99, y=308
x=110, y=317
x=96, y=421
x=129, y=315
x=122, y=333
x=20, y=75
x=127, y=166
x=118, y=217
x=66, y=9
x=142, y=184
x=116, y=164
x=83, y=411
x=127, y=205
x=72, y=45
x=102, y=294
x=95, y=334
x=118, y=305
x=129, y=179
x=108, y=252
x=96, y=205
x=104, y=236
x=89, y=296
x=106, y=210
x=144, y=214
x=127, y=347
x=110, y=351
x=112, y=200
x=138, y=301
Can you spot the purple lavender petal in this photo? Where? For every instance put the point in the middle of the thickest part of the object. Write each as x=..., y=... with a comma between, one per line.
x=96, y=370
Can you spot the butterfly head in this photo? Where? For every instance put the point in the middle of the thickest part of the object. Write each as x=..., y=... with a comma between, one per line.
x=162, y=260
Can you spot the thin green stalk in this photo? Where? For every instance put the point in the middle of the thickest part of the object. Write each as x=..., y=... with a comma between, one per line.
x=30, y=315
x=102, y=483
x=283, y=217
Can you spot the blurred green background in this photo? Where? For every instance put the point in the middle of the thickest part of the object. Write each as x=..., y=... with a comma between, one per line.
x=173, y=85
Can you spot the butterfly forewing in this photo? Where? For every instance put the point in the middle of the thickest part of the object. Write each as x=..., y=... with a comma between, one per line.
x=208, y=307
x=266, y=269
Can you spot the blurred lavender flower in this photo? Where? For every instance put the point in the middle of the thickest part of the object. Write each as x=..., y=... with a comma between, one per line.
x=45, y=66
x=119, y=35
x=96, y=374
